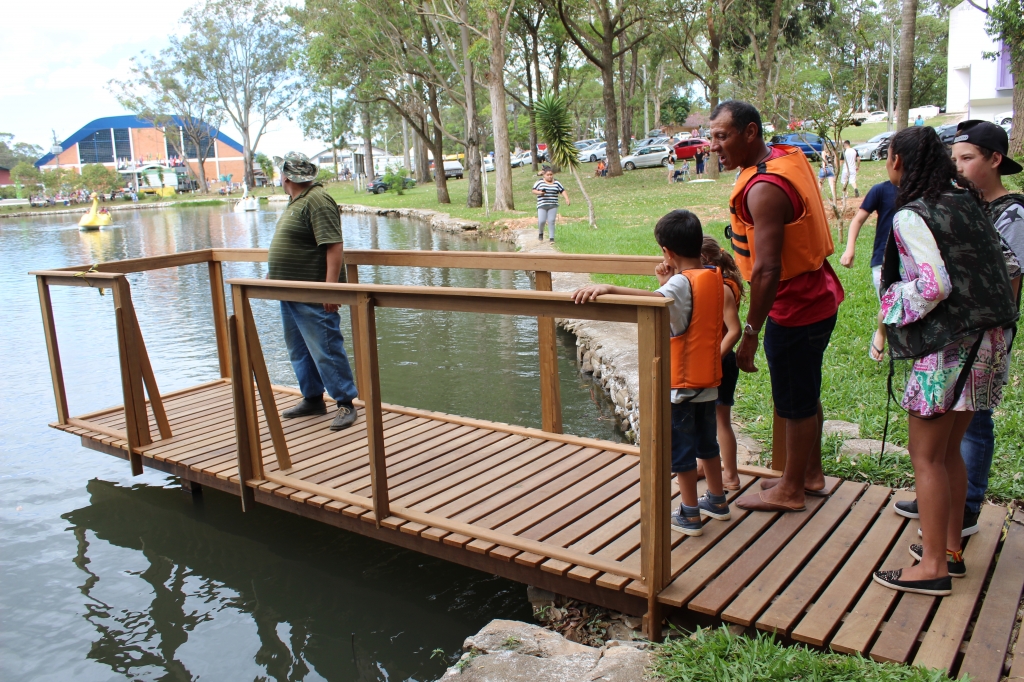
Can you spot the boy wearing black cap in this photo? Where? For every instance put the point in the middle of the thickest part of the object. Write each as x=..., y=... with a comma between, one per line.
x=980, y=150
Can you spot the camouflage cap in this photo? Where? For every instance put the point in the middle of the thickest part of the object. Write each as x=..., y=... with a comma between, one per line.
x=297, y=167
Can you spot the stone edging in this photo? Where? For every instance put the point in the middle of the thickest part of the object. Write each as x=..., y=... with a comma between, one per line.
x=442, y=222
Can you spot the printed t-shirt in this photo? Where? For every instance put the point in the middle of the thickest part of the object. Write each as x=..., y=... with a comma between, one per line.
x=309, y=225
x=881, y=199
x=549, y=199
x=1010, y=224
x=679, y=313
x=807, y=298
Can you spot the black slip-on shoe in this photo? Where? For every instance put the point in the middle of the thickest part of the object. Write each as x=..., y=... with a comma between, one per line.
x=936, y=587
x=907, y=508
x=957, y=568
x=306, y=408
x=346, y=417
x=970, y=526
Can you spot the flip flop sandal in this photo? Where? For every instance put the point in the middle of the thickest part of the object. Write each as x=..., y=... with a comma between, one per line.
x=763, y=505
x=876, y=349
x=772, y=482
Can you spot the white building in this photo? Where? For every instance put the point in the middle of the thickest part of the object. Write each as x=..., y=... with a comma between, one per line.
x=979, y=87
x=353, y=160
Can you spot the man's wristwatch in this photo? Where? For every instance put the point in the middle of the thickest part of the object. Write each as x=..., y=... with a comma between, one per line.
x=749, y=330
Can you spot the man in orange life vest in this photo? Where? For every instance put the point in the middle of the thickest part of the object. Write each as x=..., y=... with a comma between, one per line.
x=781, y=240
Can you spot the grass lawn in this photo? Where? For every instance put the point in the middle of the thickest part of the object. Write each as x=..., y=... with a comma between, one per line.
x=854, y=387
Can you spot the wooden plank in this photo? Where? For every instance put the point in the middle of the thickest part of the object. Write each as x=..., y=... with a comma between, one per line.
x=756, y=597
x=720, y=591
x=148, y=377
x=220, y=316
x=550, y=386
x=863, y=621
x=97, y=428
x=244, y=455
x=129, y=265
x=248, y=391
x=823, y=618
x=941, y=643
x=259, y=371
x=352, y=277
x=370, y=394
x=131, y=388
x=990, y=641
x=53, y=351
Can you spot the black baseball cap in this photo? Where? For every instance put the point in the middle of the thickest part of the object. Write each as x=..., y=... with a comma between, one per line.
x=989, y=136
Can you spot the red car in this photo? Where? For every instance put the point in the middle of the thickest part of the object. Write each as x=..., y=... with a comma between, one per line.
x=687, y=149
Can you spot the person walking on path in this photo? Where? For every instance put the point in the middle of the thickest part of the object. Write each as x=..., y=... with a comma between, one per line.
x=947, y=297
x=781, y=239
x=980, y=153
x=880, y=199
x=827, y=172
x=851, y=166
x=695, y=323
x=547, y=190
x=698, y=158
x=308, y=247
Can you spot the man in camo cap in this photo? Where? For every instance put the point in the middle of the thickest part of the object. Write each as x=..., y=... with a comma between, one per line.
x=308, y=247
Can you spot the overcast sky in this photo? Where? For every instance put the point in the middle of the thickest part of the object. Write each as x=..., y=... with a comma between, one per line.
x=58, y=56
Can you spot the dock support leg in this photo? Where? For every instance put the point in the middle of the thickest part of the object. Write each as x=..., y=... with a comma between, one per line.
x=191, y=487
x=550, y=389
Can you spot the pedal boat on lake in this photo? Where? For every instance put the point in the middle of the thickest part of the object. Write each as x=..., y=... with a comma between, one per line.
x=94, y=220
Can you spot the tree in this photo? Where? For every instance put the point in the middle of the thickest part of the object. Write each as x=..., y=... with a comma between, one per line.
x=555, y=125
x=163, y=91
x=98, y=178
x=12, y=153
x=908, y=26
x=266, y=165
x=25, y=175
x=241, y=51
x=597, y=29
x=1006, y=21
x=60, y=180
x=328, y=118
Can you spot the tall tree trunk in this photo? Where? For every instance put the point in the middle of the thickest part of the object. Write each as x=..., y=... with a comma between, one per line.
x=611, y=123
x=420, y=147
x=530, y=90
x=714, y=83
x=768, y=59
x=556, y=70
x=406, y=163
x=474, y=194
x=1017, y=136
x=586, y=197
x=437, y=147
x=624, y=113
x=503, y=199
x=367, y=143
x=659, y=80
x=908, y=31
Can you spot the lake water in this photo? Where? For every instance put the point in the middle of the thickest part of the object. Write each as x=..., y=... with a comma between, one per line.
x=105, y=576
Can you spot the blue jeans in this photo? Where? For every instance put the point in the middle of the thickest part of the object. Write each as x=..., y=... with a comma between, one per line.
x=317, y=351
x=976, y=448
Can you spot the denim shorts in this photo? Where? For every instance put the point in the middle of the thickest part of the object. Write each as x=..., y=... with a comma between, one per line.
x=694, y=434
x=794, y=357
x=730, y=375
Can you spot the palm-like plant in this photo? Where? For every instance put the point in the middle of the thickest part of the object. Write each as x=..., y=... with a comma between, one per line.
x=554, y=126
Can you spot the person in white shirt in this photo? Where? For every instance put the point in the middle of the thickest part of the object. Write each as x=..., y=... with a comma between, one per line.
x=851, y=164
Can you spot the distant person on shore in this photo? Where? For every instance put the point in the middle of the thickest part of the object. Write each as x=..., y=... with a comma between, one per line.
x=794, y=293
x=880, y=199
x=670, y=166
x=548, y=190
x=695, y=325
x=919, y=121
x=698, y=159
x=308, y=247
x=599, y=173
x=851, y=166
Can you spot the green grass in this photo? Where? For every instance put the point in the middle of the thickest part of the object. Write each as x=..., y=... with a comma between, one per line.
x=854, y=387
x=719, y=656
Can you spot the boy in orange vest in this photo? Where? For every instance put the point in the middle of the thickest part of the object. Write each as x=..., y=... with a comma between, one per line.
x=695, y=323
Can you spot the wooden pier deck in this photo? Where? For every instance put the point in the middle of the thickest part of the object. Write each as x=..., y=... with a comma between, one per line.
x=576, y=516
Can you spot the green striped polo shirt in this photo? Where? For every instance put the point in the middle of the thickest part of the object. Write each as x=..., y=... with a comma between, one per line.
x=307, y=227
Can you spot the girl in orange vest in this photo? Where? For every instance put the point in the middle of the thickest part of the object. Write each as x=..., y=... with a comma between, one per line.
x=711, y=253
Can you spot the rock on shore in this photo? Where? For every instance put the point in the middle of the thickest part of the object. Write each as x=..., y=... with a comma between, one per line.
x=442, y=222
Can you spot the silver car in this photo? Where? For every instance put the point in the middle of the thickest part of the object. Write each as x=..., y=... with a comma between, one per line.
x=594, y=152
x=650, y=156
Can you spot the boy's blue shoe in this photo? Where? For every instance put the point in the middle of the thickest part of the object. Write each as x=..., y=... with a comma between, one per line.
x=714, y=506
x=687, y=520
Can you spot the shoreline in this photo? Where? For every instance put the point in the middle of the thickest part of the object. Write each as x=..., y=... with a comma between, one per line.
x=83, y=208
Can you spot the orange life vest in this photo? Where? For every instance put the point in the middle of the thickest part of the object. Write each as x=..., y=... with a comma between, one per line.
x=808, y=239
x=696, y=353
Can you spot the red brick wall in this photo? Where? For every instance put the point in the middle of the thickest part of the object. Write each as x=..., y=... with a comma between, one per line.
x=5, y=176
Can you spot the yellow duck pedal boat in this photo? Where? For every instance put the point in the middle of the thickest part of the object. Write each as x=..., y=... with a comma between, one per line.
x=94, y=220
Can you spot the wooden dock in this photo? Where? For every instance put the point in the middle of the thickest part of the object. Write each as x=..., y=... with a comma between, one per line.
x=580, y=517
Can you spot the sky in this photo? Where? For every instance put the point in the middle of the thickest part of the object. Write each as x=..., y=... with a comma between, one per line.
x=58, y=57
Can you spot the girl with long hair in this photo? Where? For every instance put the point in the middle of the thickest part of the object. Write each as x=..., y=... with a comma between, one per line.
x=946, y=298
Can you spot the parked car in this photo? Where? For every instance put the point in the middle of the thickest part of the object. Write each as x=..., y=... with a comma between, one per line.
x=453, y=169
x=1003, y=118
x=809, y=143
x=583, y=144
x=868, y=151
x=488, y=164
x=378, y=186
x=687, y=149
x=648, y=141
x=520, y=159
x=649, y=156
x=596, y=151
x=877, y=117
x=947, y=133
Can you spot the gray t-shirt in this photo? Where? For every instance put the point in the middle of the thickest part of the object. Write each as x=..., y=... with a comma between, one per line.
x=1010, y=224
x=679, y=313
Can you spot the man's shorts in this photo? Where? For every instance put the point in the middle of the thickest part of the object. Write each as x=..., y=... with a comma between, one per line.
x=794, y=357
x=730, y=375
x=694, y=434
x=848, y=176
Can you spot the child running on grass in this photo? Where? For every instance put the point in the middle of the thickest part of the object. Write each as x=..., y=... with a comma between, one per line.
x=696, y=322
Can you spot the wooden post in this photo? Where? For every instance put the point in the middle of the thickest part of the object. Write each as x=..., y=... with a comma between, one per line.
x=550, y=388
x=259, y=370
x=655, y=460
x=244, y=383
x=52, y=351
x=778, y=442
x=248, y=465
x=352, y=277
x=369, y=378
x=135, y=414
x=148, y=378
x=220, y=316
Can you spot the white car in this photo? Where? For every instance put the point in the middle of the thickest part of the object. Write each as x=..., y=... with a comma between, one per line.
x=594, y=152
x=1003, y=118
x=488, y=164
x=650, y=156
x=877, y=117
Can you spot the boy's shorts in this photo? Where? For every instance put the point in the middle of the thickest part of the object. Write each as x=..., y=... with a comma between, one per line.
x=730, y=376
x=694, y=434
